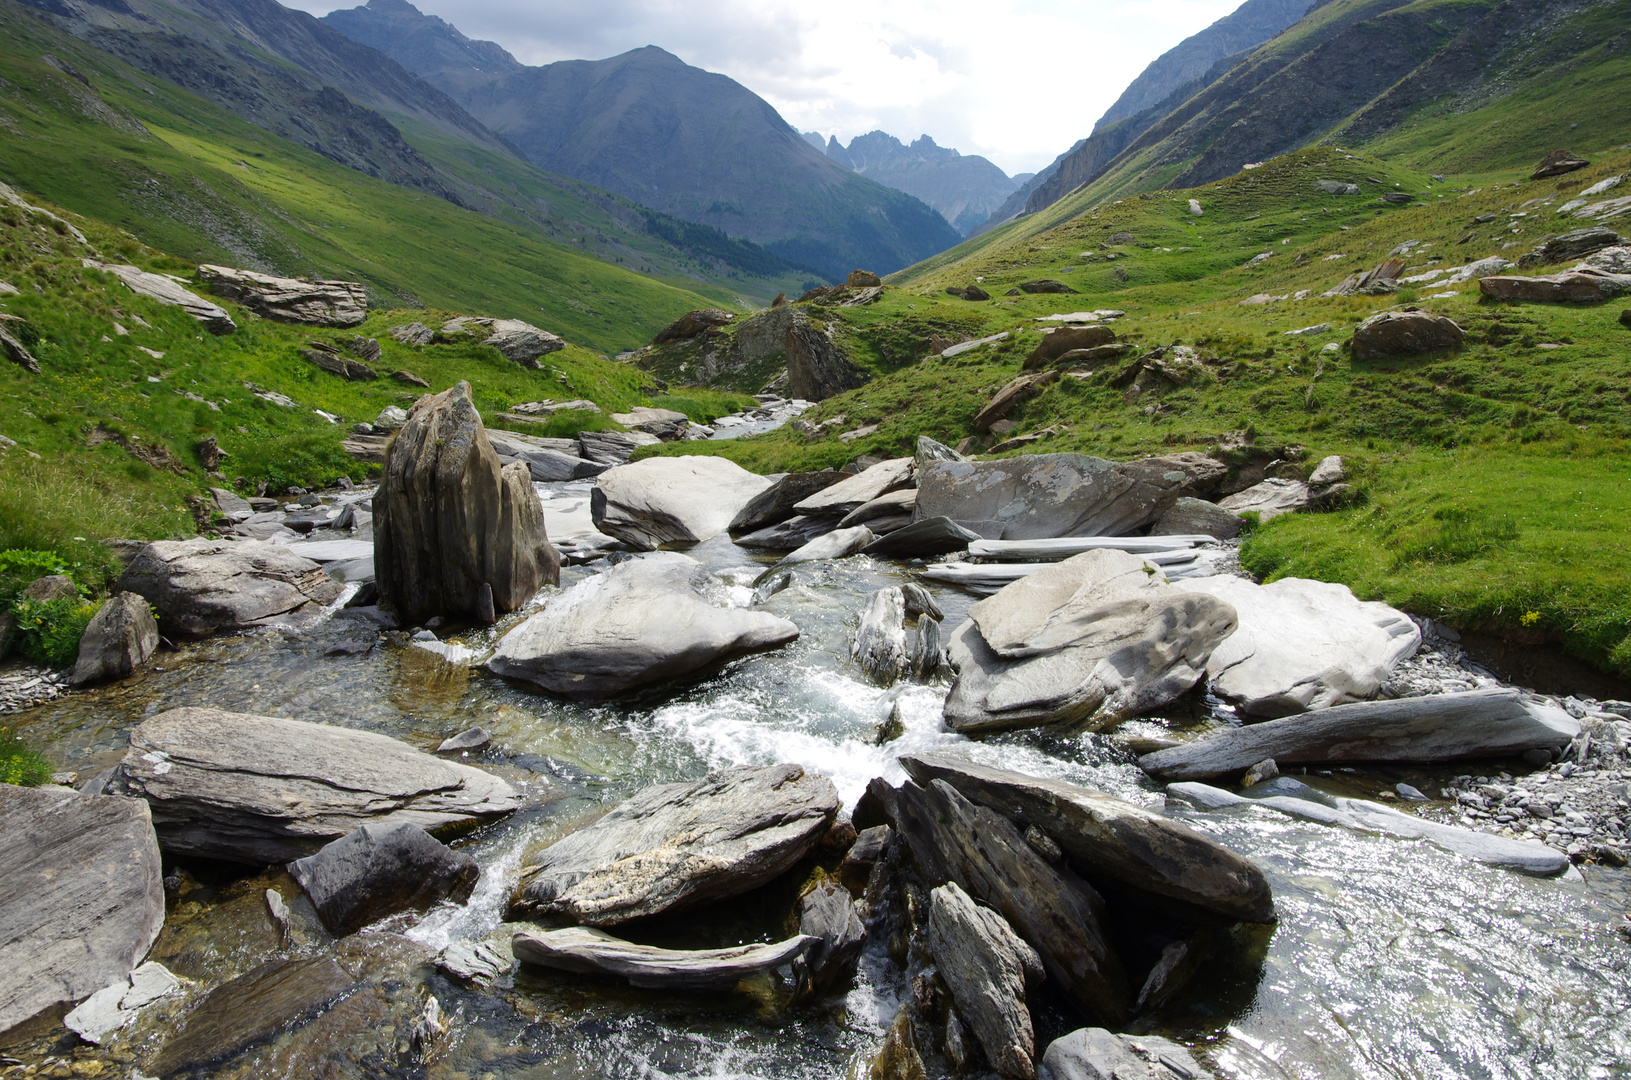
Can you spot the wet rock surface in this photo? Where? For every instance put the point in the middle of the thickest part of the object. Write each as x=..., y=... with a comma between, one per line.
x=1098, y=1054
x=587, y=950
x=205, y=586
x=988, y=968
x=380, y=870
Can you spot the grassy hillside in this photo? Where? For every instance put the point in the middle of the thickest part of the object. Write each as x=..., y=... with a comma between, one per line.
x=1492, y=479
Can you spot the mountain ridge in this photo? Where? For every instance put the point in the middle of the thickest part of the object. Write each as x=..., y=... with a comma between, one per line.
x=964, y=188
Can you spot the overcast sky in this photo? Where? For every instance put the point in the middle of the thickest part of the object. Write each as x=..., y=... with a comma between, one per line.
x=1016, y=80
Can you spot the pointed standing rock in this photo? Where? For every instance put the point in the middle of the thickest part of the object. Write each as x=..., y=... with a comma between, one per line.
x=988, y=968
x=120, y=638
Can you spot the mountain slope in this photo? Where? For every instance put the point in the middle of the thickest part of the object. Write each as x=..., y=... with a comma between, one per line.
x=965, y=189
x=434, y=49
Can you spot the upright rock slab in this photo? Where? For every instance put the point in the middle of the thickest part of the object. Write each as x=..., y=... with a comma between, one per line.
x=643, y=621
x=452, y=526
x=988, y=968
x=774, y=504
x=308, y=303
x=1047, y=495
x=675, y=846
x=120, y=638
x=81, y=896
x=678, y=500
x=203, y=586
x=262, y=789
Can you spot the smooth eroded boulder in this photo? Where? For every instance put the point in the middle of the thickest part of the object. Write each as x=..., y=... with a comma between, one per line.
x=988, y=969
x=1390, y=334
x=789, y=535
x=594, y=952
x=1098, y=636
x=1099, y=1054
x=1303, y=644
x=308, y=303
x=675, y=846
x=263, y=789
x=678, y=500
x=1268, y=499
x=81, y=895
x=379, y=870
x=658, y=617
x=834, y=545
x=203, y=586
x=119, y=639
x=1048, y=495
x=455, y=533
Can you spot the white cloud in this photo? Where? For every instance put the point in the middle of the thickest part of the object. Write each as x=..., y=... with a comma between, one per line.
x=1016, y=80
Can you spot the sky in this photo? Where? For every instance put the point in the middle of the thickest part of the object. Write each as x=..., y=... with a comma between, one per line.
x=1018, y=81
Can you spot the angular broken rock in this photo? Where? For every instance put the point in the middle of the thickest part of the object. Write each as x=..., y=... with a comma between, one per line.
x=309, y=303
x=522, y=342
x=1012, y=396
x=827, y=913
x=379, y=870
x=1098, y=1054
x=81, y=896
x=789, y=535
x=880, y=640
x=775, y=504
x=167, y=291
x=1110, y=838
x=1048, y=495
x=1571, y=245
x=612, y=447
x=1404, y=333
x=678, y=500
x=1269, y=499
x=891, y=505
x=1097, y=636
x=693, y=324
x=925, y=536
x=120, y=638
x=853, y=492
x=1197, y=517
x=263, y=789
x=643, y=621
x=1056, y=343
x=988, y=968
x=834, y=545
x=817, y=367
x=1303, y=644
x=1438, y=727
x=589, y=951
x=116, y=1004
x=205, y=586
x=679, y=845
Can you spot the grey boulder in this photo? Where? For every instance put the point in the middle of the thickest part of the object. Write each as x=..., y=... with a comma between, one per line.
x=643, y=621
x=676, y=846
x=1268, y=499
x=308, y=303
x=788, y=535
x=1047, y=495
x=988, y=968
x=262, y=789
x=891, y=505
x=678, y=500
x=522, y=342
x=1391, y=334
x=775, y=504
x=119, y=639
x=203, y=586
x=1099, y=1054
x=612, y=447
x=1098, y=636
x=834, y=545
x=840, y=499
x=380, y=870
x=165, y=290
x=827, y=914
x=1197, y=517
x=1439, y=727
x=924, y=536
x=81, y=896
x=590, y=951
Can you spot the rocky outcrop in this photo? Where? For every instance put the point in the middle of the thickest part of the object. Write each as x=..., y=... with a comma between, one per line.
x=643, y=621
x=988, y=969
x=677, y=500
x=330, y=360
x=775, y=503
x=589, y=951
x=262, y=789
x=118, y=640
x=1099, y=1054
x=1571, y=245
x=1439, y=727
x=1390, y=334
x=1197, y=517
x=1011, y=397
x=817, y=368
x=202, y=587
x=675, y=846
x=521, y=342
x=1557, y=163
x=1579, y=286
x=380, y=870
x=1107, y=838
x=291, y=300
x=81, y=896
x=455, y=533
x=1303, y=644
x=863, y=279
x=693, y=324
x=1268, y=499
x=166, y=291
x=1097, y=637
x=1048, y=495
x=1056, y=343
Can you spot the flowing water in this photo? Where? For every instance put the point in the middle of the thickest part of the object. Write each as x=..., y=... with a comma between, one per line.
x=1391, y=959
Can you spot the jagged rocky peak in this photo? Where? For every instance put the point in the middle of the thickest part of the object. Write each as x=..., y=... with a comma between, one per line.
x=425, y=44
x=964, y=188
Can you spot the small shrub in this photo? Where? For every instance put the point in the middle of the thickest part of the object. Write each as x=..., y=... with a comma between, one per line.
x=48, y=631
x=21, y=765
x=19, y=566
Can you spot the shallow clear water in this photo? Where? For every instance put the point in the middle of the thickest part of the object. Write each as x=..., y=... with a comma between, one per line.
x=1391, y=959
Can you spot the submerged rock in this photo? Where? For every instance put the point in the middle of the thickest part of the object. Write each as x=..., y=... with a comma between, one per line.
x=203, y=586
x=379, y=870
x=590, y=951
x=120, y=638
x=681, y=500
x=643, y=621
x=81, y=896
x=988, y=969
x=679, y=845
x=263, y=789
x=308, y=303
x=1098, y=1054
x=116, y=1004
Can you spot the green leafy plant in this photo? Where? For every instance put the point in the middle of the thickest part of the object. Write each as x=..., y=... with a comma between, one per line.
x=19, y=566
x=48, y=631
x=21, y=765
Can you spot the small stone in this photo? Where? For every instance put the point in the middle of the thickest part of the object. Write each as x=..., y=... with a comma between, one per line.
x=1410, y=794
x=1263, y=770
x=476, y=739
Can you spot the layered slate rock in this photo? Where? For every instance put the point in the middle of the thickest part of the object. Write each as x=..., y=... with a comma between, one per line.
x=81, y=895
x=1011, y=397
x=522, y=342
x=924, y=536
x=1056, y=913
x=988, y=968
x=1584, y=285
x=883, y=508
x=1268, y=499
x=120, y=638
x=262, y=789
x=380, y=870
x=308, y=303
x=595, y=952
x=817, y=368
x=834, y=545
x=1056, y=343
x=1099, y=1054
x=1110, y=838
x=693, y=324
x=643, y=621
x=774, y=504
x=1098, y=636
x=612, y=447
x=1439, y=727
x=827, y=914
x=203, y=586
x=1047, y=495
x=679, y=500
x=1197, y=517
x=840, y=499
x=1572, y=245
x=1389, y=334
x=789, y=535
x=675, y=846
x=165, y=290
x=1303, y=644
x=455, y=533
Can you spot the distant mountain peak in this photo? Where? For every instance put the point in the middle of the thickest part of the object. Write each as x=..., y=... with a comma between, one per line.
x=965, y=189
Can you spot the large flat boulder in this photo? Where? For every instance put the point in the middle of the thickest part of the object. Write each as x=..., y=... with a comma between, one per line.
x=1110, y=838
x=522, y=342
x=203, y=586
x=167, y=291
x=120, y=638
x=988, y=969
x=641, y=622
x=595, y=952
x=1303, y=644
x=81, y=896
x=775, y=503
x=263, y=789
x=1439, y=727
x=838, y=500
x=676, y=846
x=1048, y=495
x=308, y=303
x=456, y=534
x=1268, y=499
x=1099, y=636
x=1585, y=285
x=678, y=500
